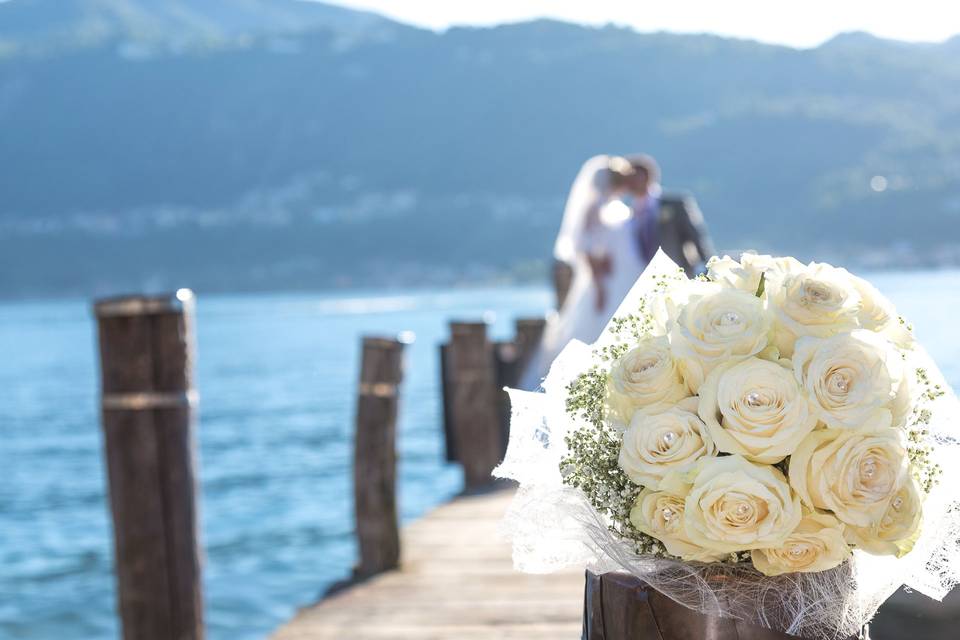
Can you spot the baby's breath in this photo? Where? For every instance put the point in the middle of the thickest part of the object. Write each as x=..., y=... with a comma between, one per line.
x=919, y=450
x=586, y=397
x=592, y=466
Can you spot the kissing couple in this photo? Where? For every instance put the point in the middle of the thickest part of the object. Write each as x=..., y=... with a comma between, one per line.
x=616, y=218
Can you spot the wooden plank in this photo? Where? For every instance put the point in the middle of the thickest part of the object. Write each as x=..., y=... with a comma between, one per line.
x=545, y=631
x=456, y=581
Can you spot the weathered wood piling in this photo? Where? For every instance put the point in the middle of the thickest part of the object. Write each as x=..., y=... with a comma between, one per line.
x=562, y=280
x=621, y=606
x=446, y=399
x=476, y=409
x=148, y=414
x=474, y=402
x=375, y=456
x=529, y=331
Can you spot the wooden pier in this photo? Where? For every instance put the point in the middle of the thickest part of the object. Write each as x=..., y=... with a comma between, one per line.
x=456, y=581
x=451, y=575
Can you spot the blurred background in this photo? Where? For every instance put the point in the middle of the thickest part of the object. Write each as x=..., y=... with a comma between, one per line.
x=318, y=171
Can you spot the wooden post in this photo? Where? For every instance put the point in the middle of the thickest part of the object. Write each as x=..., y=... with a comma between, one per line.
x=474, y=407
x=562, y=279
x=529, y=332
x=620, y=606
x=512, y=359
x=508, y=371
x=148, y=403
x=446, y=397
x=375, y=457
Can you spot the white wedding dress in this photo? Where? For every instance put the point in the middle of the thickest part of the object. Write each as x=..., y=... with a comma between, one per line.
x=611, y=234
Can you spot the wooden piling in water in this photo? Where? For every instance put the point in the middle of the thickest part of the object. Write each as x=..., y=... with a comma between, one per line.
x=474, y=404
x=446, y=399
x=562, y=280
x=148, y=404
x=375, y=457
x=507, y=368
x=528, y=336
x=508, y=360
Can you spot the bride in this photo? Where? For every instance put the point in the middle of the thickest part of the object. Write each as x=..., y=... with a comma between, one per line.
x=597, y=239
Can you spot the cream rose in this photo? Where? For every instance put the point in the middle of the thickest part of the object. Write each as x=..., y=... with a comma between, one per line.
x=647, y=378
x=819, y=301
x=756, y=409
x=660, y=514
x=854, y=474
x=745, y=274
x=656, y=444
x=878, y=314
x=898, y=528
x=817, y=544
x=717, y=325
x=736, y=505
x=851, y=377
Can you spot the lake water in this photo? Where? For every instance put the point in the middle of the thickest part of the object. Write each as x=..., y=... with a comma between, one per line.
x=277, y=377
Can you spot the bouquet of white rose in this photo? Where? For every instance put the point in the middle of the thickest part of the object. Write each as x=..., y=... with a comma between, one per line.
x=768, y=433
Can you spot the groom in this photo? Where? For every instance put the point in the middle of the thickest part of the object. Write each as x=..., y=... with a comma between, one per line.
x=672, y=222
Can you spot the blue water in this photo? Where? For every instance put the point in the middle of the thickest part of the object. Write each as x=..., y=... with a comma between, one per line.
x=277, y=376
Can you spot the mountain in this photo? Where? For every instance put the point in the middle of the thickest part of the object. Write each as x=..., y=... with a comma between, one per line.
x=44, y=26
x=346, y=149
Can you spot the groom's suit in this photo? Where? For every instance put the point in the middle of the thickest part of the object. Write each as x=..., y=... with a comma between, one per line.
x=674, y=223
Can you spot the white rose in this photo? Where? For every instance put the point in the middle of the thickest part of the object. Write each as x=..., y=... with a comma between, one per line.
x=853, y=377
x=819, y=301
x=854, y=474
x=878, y=314
x=660, y=514
x=898, y=528
x=716, y=325
x=647, y=378
x=817, y=544
x=731, y=273
x=756, y=409
x=745, y=274
x=656, y=444
x=736, y=505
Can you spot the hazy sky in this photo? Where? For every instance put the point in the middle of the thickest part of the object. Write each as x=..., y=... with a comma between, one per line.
x=799, y=23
